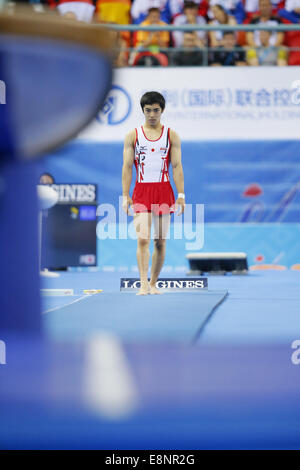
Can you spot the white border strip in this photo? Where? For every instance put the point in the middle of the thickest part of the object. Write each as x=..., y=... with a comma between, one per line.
x=57, y=292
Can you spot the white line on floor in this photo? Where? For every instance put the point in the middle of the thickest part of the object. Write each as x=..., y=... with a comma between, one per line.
x=109, y=385
x=70, y=303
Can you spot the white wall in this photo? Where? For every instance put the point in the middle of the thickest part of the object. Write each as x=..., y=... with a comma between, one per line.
x=205, y=103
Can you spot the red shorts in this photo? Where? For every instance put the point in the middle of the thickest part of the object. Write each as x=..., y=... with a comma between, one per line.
x=153, y=197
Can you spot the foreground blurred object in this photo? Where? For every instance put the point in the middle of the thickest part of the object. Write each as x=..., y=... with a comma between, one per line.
x=55, y=75
x=72, y=74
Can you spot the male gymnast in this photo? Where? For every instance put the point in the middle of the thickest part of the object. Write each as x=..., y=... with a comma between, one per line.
x=151, y=147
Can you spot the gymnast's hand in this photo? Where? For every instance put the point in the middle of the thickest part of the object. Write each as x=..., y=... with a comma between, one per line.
x=127, y=202
x=180, y=204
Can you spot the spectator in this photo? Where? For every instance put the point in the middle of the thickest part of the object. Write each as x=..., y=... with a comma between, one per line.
x=291, y=12
x=266, y=54
x=252, y=6
x=140, y=9
x=219, y=17
x=232, y=7
x=177, y=6
x=229, y=54
x=46, y=178
x=191, y=55
x=189, y=16
x=121, y=59
x=153, y=40
x=265, y=17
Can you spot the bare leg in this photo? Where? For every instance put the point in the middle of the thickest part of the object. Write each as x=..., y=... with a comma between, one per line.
x=161, y=227
x=158, y=259
x=142, y=223
x=143, y=255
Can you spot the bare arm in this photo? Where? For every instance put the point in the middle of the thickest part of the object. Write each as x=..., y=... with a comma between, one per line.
x=252, y=61
x=279, y=39
x=281, y=62
x=213, y=39
x=128, y=160
x=177, y=167
x=250, y=39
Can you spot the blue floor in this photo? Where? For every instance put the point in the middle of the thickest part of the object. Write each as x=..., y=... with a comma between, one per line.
x=235, y=388
x=263, y=307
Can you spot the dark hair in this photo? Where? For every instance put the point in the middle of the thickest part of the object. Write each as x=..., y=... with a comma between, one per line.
x=190, y=5
x=226, y=33
x=220, y=7
x=223, y=10
x=46, y=174
x=153, y=9
x=152, y=97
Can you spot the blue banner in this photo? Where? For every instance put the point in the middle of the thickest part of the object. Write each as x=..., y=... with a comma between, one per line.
x=255, y=182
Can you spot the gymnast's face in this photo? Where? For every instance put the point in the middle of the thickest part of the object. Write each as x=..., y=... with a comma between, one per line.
x=152, y=114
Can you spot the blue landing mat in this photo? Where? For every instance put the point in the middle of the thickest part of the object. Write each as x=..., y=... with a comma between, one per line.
x=171, y=316
x=262, y=307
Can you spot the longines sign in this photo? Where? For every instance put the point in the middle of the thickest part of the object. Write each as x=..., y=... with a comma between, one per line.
x=76, y=192
x=193, y=283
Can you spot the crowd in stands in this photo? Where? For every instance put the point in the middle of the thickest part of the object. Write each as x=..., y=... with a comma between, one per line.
x=196, y=48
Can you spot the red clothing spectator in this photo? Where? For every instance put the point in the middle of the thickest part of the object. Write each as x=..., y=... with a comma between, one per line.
x=292, y=39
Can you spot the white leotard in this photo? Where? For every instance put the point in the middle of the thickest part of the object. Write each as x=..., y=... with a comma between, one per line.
x=152, y=157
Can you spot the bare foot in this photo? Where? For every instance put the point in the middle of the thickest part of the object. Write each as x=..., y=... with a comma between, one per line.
x=144, y=290
x=154, y=289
